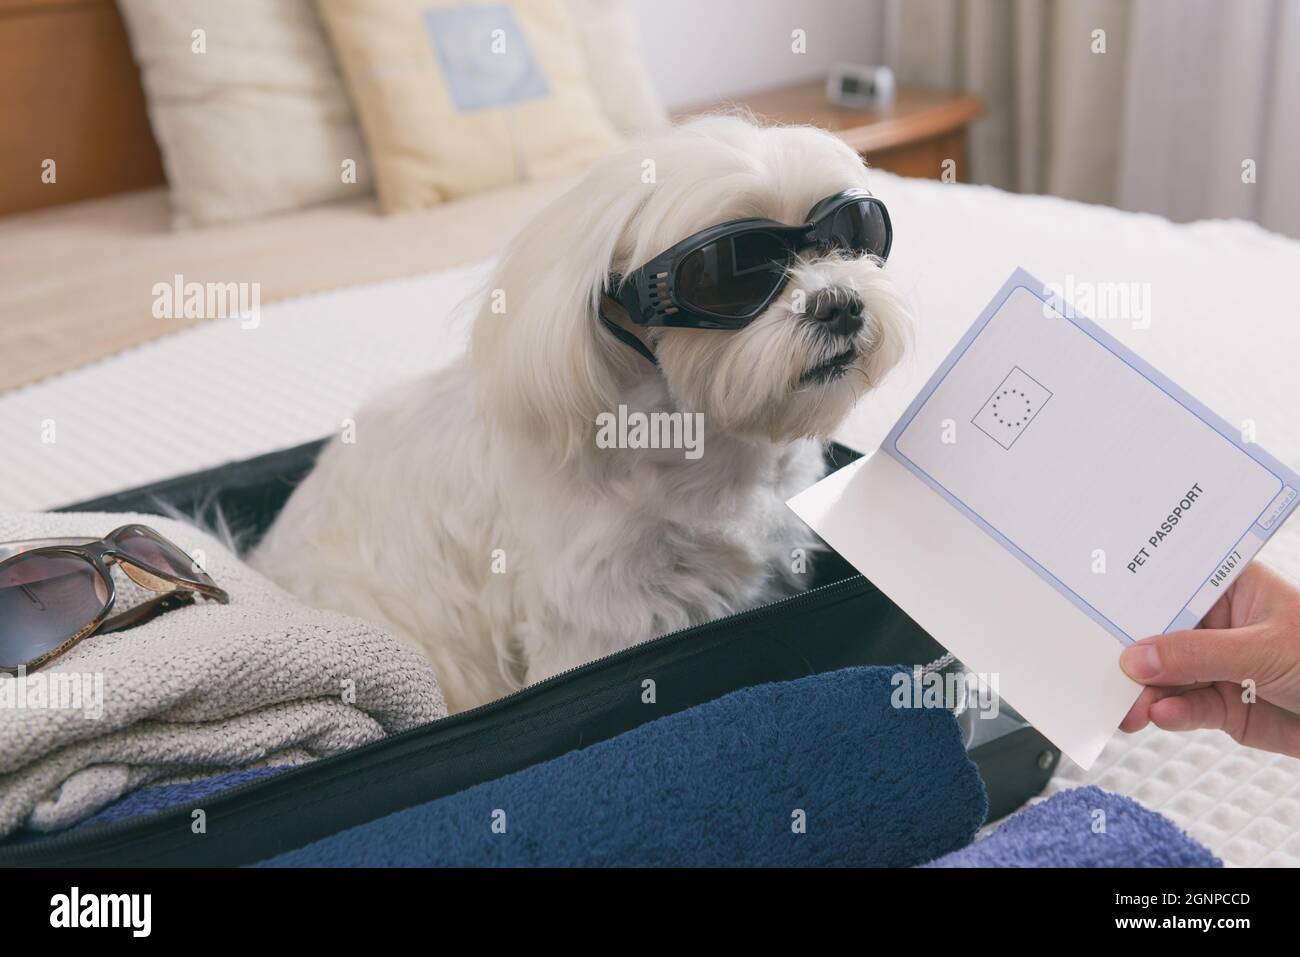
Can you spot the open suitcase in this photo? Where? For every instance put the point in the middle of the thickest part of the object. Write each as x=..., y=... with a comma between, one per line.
x=841, y=621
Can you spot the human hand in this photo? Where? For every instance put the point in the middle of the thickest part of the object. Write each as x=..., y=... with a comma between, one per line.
x=1203, y=678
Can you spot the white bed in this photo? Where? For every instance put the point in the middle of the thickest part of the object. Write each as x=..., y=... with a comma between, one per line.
x=1223, y=324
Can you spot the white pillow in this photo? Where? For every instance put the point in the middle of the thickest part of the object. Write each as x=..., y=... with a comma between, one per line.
x=248, y=107
x=456, y=98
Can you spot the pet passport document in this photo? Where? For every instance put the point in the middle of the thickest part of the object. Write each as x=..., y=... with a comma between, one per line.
x=1047, y=499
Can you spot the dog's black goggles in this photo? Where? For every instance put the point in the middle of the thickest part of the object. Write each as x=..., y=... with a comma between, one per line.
x=725, y=276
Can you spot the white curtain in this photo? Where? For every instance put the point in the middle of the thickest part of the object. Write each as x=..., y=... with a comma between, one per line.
x=1189, y=102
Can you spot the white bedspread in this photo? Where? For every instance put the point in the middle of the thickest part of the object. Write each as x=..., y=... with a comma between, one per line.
x=221, y=393
x=1223, y=323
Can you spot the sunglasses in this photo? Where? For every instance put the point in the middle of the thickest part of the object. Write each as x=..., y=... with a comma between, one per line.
x=55, y=592
x=725, y=276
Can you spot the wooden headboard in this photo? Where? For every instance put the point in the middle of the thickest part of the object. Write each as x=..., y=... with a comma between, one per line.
x=70, y=92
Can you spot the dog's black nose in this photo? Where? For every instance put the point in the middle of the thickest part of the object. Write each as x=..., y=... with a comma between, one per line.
x=838, y=310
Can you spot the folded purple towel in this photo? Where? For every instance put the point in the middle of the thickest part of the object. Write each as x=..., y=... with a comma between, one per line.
x=1084, y=827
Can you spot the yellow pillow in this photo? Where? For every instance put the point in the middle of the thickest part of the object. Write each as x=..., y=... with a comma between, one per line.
x=458, y=96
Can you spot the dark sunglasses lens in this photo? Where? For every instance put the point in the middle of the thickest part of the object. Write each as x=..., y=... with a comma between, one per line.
x=733, y=276
x=155, y=552
x=861, y=227
x=45, y=599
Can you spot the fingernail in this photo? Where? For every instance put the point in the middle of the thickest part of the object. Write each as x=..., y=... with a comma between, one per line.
x=1140, y=662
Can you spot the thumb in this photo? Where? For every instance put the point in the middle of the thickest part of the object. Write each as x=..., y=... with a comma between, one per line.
x=1198, y=656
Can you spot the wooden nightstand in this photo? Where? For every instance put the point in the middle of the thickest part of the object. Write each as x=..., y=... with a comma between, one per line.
x=913, y=138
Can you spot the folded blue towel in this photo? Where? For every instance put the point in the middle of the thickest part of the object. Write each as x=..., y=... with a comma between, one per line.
x=817, y=771
x=155, y=799
x=1084, y=827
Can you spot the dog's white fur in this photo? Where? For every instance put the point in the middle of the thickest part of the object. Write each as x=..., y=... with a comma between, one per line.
x=475, y=514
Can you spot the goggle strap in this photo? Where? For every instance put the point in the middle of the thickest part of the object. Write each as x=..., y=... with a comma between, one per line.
x=628, y=338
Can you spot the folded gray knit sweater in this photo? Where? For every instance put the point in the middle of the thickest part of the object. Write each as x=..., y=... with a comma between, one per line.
x=199, y=690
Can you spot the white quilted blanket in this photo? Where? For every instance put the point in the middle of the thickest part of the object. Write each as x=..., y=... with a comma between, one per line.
x=1223, y=324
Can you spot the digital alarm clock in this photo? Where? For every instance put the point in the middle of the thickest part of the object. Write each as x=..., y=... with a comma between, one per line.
x=860, y=87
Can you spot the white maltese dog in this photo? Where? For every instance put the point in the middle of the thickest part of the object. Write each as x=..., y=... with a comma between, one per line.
x=654, y=366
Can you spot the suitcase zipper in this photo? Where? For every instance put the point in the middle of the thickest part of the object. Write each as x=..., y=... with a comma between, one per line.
x=73, y=839
x=741, y=616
